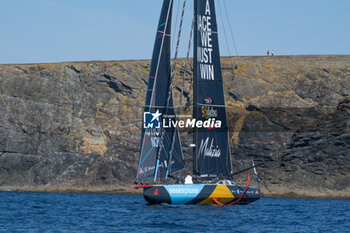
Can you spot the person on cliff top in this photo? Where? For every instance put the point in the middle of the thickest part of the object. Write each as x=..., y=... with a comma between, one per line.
x=272, y=52
x=268, y=53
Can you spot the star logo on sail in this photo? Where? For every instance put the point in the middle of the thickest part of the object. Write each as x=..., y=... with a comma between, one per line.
x=151, y=120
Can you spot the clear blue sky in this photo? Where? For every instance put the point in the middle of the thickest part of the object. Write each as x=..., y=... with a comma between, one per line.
x=33, y=31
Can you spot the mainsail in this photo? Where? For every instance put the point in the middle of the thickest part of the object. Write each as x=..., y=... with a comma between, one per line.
x=212, y=151
x=156, y=142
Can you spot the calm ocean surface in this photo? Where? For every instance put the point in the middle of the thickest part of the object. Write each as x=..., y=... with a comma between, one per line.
x=50, y=212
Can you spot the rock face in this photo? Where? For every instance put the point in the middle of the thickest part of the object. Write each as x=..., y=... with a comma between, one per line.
x=76, y=126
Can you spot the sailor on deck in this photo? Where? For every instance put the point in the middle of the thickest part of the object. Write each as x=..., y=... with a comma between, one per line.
x=188, y=180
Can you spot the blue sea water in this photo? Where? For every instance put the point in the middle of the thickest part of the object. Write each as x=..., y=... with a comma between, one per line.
x=53, y=212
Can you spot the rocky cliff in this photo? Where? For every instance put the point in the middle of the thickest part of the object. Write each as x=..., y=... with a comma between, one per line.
x=76, y=126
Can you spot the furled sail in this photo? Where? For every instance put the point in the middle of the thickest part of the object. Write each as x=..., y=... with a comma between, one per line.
x=212, y=151
x=155, y=140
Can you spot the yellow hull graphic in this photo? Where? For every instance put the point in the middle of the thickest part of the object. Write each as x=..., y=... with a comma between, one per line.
x=221, y=193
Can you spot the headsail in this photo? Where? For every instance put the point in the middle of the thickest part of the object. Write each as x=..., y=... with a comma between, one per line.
x=212, y=152
x=155, y=141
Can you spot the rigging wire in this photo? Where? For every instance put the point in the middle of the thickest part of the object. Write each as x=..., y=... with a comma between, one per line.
x=230, y=28
x=234, y=65
x=176, y=52
x=186, y=66
x=228, y=166
x=170, y=94
x=176, y=22
x=223, y=26
x=182, y=91
x=183, y=82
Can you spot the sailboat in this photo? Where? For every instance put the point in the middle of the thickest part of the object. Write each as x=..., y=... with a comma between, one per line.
x=160, y=151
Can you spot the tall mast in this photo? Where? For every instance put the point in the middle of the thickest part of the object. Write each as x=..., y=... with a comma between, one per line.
x=195, y=36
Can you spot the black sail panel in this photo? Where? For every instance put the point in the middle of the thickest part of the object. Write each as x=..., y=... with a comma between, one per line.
x=212, y=152
x=155, y=141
